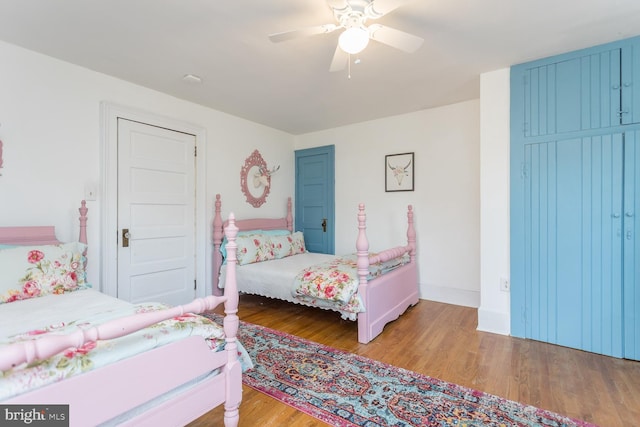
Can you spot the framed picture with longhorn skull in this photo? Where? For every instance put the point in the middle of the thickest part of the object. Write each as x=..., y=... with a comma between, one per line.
x=399, y=172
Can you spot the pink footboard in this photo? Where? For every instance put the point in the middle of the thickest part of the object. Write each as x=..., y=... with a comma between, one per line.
x=388, y=296
x=127, y=387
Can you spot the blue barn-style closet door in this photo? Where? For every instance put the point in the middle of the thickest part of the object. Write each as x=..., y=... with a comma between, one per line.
x=575, y=199
x=631, y=246
x=573, y=256
x=579, y=93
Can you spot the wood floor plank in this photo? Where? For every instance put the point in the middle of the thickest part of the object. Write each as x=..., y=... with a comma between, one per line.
x=441, y=340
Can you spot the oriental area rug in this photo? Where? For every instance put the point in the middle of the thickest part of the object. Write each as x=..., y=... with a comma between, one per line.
x=344, y=389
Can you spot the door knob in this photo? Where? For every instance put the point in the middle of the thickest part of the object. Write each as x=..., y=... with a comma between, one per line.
x=324, y=225
x=125, y=237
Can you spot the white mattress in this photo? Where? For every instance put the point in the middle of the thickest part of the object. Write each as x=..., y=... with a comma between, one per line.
x=273, y=278
x=52, y=309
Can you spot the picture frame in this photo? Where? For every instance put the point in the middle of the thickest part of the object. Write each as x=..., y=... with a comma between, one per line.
x=254, y=170
x=399, y=172
x=255, y=179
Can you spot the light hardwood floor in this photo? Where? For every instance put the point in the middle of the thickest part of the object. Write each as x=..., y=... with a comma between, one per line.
x=441, y=340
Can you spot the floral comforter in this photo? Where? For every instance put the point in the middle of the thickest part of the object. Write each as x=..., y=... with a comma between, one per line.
x=334, y=284
x=93, y=355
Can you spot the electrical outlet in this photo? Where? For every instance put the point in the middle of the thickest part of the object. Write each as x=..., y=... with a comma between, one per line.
x=504, y=285
x=90, y=191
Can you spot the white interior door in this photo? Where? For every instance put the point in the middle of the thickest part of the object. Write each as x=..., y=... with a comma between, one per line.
x=156, y=214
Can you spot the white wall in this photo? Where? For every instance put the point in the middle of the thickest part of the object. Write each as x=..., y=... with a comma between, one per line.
x=494, y=311
x=50, y=126
x=446, y=200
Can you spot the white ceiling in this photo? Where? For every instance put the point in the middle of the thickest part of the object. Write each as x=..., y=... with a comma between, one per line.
x=287, y=85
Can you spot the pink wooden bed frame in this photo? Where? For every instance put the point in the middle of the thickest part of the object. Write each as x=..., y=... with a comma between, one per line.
x=102, y=394
x=385, y=298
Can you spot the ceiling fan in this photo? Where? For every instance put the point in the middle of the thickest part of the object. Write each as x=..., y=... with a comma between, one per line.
x=352, y=16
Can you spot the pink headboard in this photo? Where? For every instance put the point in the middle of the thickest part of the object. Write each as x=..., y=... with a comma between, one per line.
x=285, y=223
x=266, y=223
x=41, y=235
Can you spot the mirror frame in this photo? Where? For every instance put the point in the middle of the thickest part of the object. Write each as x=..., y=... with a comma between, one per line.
x=259, y=196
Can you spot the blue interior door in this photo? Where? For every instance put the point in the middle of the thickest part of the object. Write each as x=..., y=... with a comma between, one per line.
x=631, y=245
x=314, y=204
x=573, y=251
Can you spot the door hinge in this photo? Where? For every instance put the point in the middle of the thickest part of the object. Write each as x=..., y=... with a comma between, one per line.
x=195, y=151
x=194, y=285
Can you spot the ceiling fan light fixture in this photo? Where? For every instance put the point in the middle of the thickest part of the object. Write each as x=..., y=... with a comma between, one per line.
x=353, y=40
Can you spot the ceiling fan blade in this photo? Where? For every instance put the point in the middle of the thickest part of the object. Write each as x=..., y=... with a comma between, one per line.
x=338, y=4
x=380, y=8
x=339, y=61
x=395, y=38
x=302, y=32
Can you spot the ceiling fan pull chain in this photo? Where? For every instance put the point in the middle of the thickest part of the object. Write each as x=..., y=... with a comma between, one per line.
x=349, y=72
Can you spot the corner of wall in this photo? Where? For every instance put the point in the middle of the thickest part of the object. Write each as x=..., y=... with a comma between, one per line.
x=449, y=295
x=493, y=321
x=494, y=313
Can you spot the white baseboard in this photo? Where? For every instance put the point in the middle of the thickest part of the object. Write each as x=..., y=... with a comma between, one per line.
x=494, y=322
x=454, y=296
x=488, y=321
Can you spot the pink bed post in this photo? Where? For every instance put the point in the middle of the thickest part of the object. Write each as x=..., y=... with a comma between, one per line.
x=217, y=240
x=231, y=323
x=411, y=234
x=83, y=228
x=362, y=249
x=289, y=216
x=83, y=221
